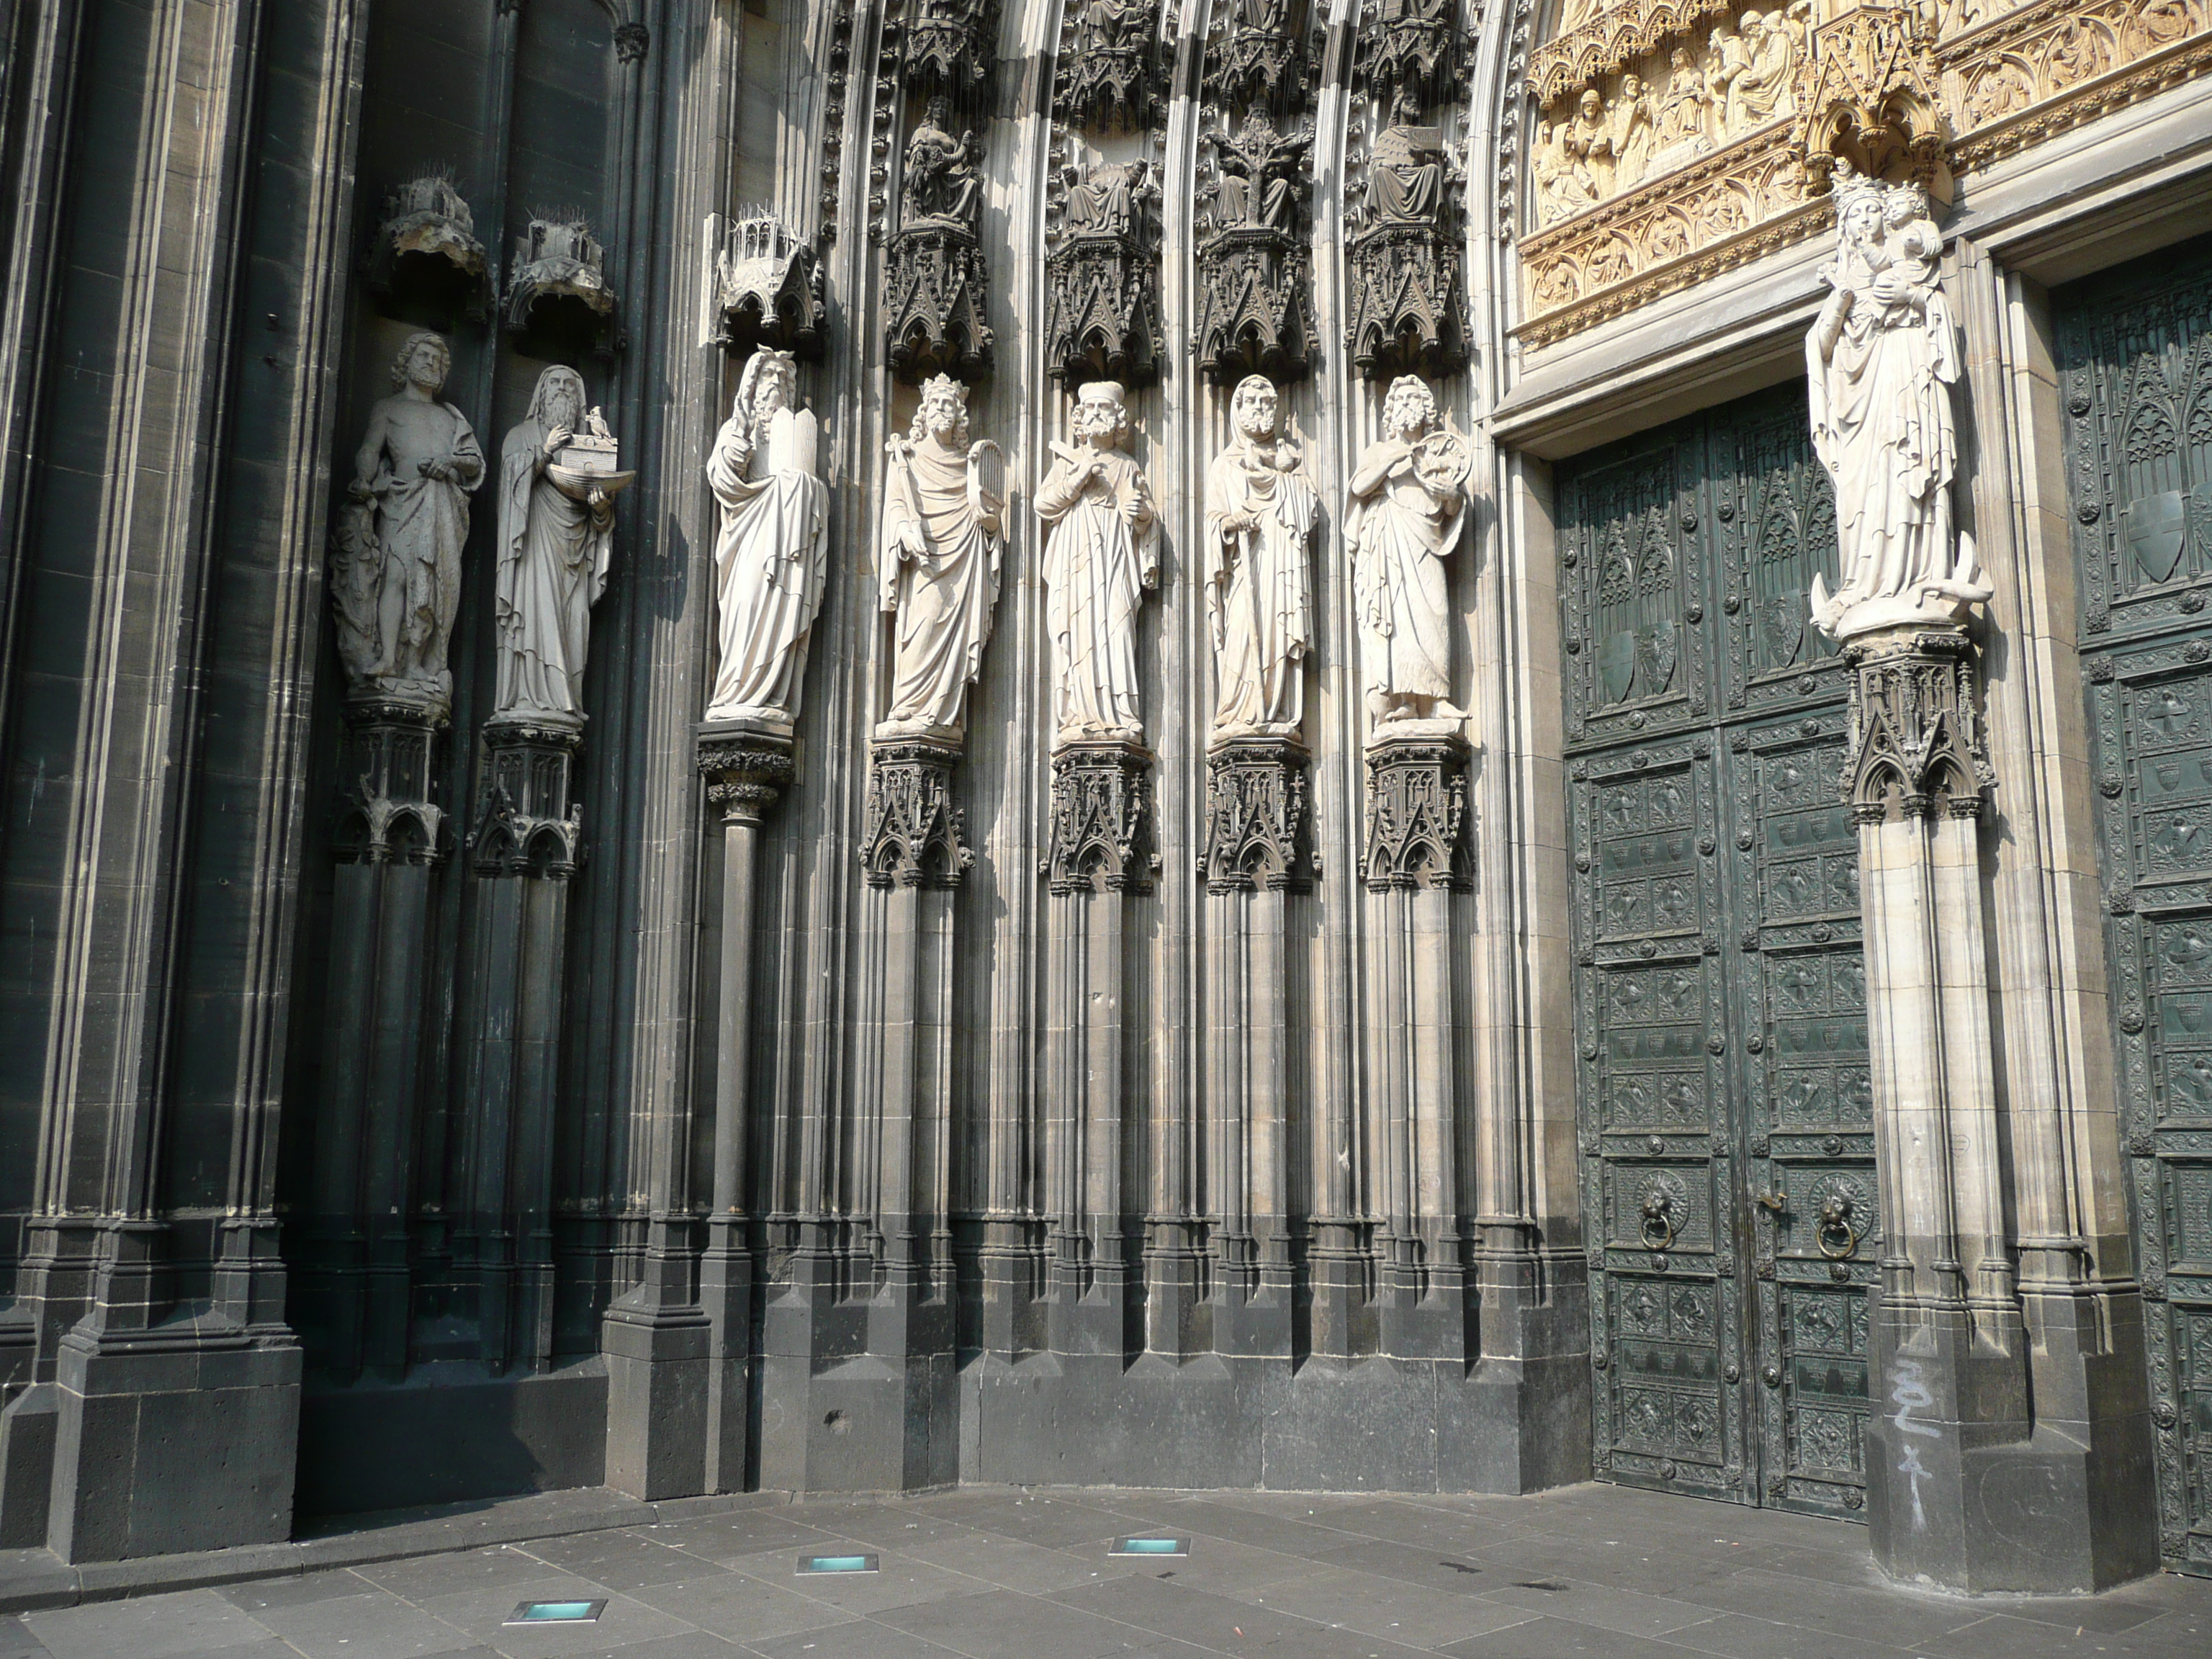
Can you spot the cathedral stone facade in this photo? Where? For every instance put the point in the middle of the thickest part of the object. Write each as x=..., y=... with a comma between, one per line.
x=1343, y=744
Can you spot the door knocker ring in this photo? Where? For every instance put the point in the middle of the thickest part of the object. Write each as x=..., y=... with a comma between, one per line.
x=1835, y=1234
x=1658, y=1231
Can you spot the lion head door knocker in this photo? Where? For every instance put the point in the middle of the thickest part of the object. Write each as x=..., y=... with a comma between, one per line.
x=1658, y=1231
x=1836, y=1232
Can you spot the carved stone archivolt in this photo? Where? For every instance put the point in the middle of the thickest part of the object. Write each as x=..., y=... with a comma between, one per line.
x=1112, y=65
x=1257, y=52
x=1673, y=140
x=1409, y=46
x=1416, y=814
x=1916, y=747
x=1258, y=817
x=425, y=221
x=746, y=769
x=559, y=264
x=1102, y=808
x=526, y=822
x=915, y=836
x=767, y=288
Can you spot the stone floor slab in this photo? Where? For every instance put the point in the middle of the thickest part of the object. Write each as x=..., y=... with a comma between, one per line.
x=376, y=1625
x=186, y=1622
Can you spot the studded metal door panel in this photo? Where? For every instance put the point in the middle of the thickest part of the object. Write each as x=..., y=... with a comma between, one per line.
x=2135, y=373
x=1720, y=1002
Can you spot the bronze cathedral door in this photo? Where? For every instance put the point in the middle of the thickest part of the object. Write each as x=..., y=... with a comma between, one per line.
x=2135, y=361
x=1723, y=1101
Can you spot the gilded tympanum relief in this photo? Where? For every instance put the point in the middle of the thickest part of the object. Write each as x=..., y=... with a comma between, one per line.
x=1669, y=140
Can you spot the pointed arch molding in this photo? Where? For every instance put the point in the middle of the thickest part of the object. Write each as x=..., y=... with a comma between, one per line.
x=1663, y=141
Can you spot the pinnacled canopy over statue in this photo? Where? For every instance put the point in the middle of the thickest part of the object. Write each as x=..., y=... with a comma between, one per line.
x=770, y=558
x=1408, y=507
x=396, y=560
x=556, y=516
x=1260, y=515
x=944, y=535
x=1102, y=555
x=1880, y=361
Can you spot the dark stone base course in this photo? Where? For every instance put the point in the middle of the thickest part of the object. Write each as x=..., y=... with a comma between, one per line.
x=450, y=1434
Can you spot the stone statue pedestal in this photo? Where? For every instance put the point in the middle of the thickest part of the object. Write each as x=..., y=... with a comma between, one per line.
x=1414, y=866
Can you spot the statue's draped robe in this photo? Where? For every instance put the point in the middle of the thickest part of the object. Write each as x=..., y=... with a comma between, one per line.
x=1103, y=542
x=1257, y=590
x=1400, y=539
x=554, y=552
x=1405, y=182
x=1882, y=423
x=944, y=598
x=769, y=569
x=422, y=524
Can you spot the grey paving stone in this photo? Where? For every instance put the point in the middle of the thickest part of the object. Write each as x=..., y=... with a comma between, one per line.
x=1266, y=1532
x=1410, y=1523
x=1561, y=1638
x=695, y=1644
x=1000, y=1625
x=723, y=1539
x=1738, y=1636
x=899, y=1581
x=1238, y=1571
x=1216, y=1621
x=262, y=1594
x=1456, y=1573
x=1056, y=1525
x=376, y=1625
x=738, y=1608
x=151, y=1627
x=857, y=1638
x=621, y=1561
x=1631, y=1612
x=425, y=1577
x=1397, y=1611
x=2003, y=1637
x=1013, y=1564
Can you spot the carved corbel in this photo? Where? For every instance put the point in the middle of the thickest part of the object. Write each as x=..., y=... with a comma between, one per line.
x=934, y=282
x=386, y=814
x=915, y=836
x=1101, y=282
x=767, y=288
x=427, y=225
x=1916, y=747
x=526, y=824
x=1868, y=92
x=1102, y=810
x=1258, y=813
x=1416, y=815
x=746, y=771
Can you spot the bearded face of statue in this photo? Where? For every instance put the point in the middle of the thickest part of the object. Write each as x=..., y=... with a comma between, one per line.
x=426, y=366
x=1256, y=412
x=940, y=412
x=775, y=392
x=1409, y=413
x=1100, y=421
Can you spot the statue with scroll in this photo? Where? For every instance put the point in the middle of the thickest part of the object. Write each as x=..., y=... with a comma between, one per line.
x=1406, y=511
x=1102, y=556
x=1881, y=361
x=559, y=475
x=770, y=559
x=944, y=536
x=396, y=558
x=1260, y=515
x=1406, y=173
x=1102, y=200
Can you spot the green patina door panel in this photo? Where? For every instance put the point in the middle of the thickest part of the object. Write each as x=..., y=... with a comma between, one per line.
x=2134, y=350
x=1719, y=1002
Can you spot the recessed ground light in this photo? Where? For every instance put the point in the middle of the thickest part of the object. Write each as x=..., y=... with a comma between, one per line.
x=1150, y=1546
x=557, y=1613
x=814, y=1563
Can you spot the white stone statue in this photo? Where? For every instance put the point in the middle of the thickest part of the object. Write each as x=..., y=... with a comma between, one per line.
x=556, y=514
x=944, y=534
x=1260, y=514
x=396, y=560
x=1881, y=360
x=1102, y=555
x=770, y=559
x=1408, y=507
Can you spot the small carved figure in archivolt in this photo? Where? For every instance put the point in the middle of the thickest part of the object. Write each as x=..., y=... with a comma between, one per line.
x=396, y=559
x=1258, y=166
x=769, y=559
x=1260, y=515
x=1881, y=361
x=944, y=536
x=558, y=480
x=1408, y=507
x=942, y=183
x=1102, y=556
x=1406, y=173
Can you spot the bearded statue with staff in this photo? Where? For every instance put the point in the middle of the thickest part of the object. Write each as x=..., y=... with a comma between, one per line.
x=1260, y=515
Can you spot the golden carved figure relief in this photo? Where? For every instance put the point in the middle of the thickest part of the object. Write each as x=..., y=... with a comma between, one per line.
x=1674, y=139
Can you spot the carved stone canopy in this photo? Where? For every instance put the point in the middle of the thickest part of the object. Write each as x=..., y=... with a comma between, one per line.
x=943, y=45
x=1111, y=70
x=1102, y=284
x=560, y=266
x=1869, y=94
x=1408, y=304
x=767, y=288
x=1410, y=46
x=385, y=811
x=1254, y=306
x=1262, y=56
x=934, y=284
x=427, y=227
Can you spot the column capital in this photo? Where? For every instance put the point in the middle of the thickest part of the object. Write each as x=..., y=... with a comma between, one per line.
x=747, y=768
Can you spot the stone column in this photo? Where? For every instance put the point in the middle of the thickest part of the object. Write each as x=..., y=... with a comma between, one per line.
x=1100, y=852
x=1258, y=852
x=525, y=850
x=1414, y=862
x=1949, y=1380
x=747, y=768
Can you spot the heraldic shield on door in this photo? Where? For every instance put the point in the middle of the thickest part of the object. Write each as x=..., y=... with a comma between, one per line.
x=2135, y=351
x=1723, y=1101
